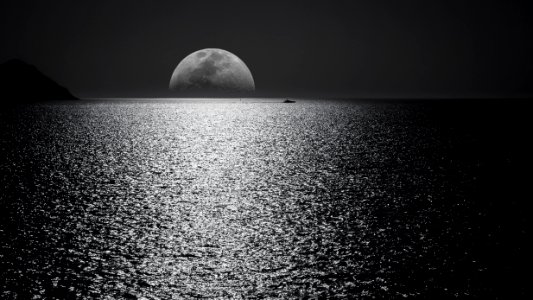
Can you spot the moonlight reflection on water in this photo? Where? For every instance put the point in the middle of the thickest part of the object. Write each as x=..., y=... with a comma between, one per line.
x=194, y=199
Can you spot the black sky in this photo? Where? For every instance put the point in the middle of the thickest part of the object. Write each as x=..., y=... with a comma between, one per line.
x=366, y=48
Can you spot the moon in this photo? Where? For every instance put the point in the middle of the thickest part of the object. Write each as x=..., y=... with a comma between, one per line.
x=212, y=69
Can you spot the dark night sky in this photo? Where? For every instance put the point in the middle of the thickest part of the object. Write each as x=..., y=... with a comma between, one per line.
x=366, y=48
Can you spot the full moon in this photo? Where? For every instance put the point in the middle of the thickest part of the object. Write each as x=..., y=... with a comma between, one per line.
x=212, y=70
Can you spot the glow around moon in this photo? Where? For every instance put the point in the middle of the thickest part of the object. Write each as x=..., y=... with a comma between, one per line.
x=212, y=69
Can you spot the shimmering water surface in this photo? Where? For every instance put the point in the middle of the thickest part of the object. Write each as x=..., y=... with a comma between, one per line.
x=177, y=200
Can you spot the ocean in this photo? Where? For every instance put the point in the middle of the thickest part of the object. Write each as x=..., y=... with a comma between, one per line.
x=168, y=199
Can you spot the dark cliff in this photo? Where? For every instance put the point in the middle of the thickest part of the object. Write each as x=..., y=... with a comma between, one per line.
x=22, y=82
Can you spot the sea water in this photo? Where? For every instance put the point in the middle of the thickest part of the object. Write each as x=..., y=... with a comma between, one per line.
x=167, y=199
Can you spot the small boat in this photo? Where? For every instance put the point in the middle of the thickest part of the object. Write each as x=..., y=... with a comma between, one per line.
x=288, y=101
